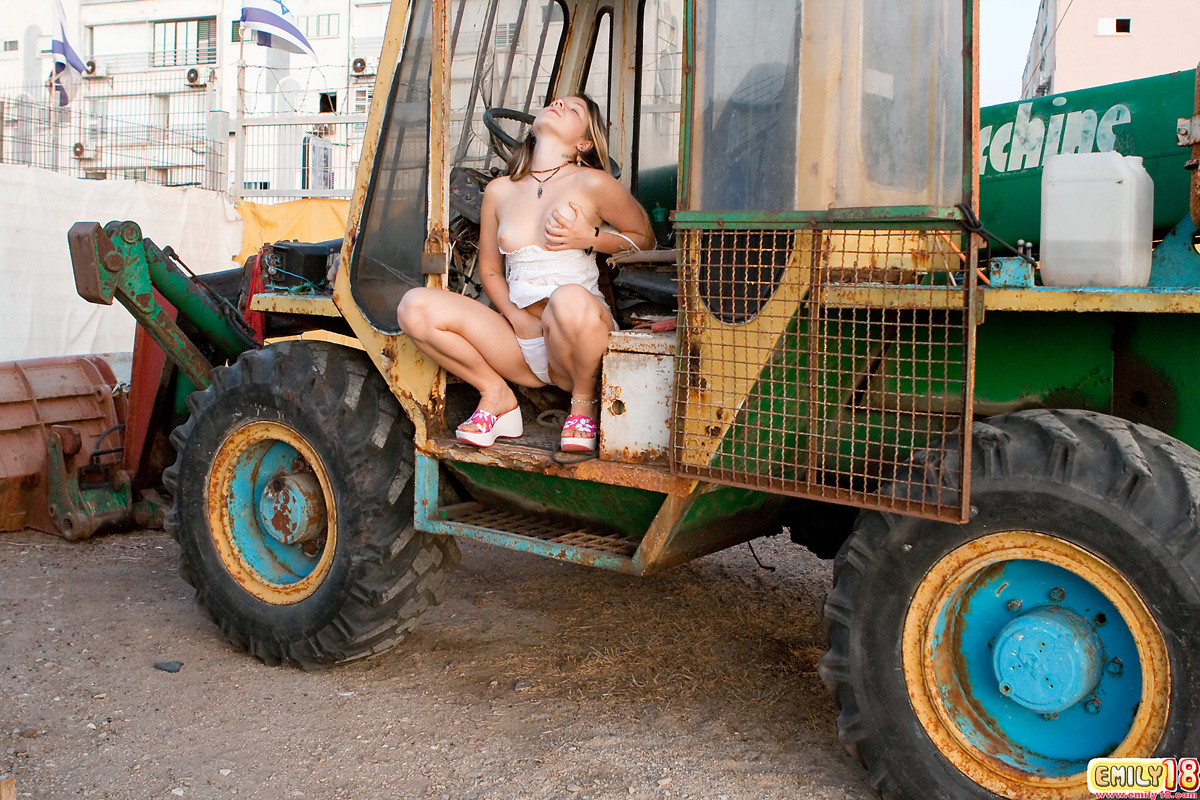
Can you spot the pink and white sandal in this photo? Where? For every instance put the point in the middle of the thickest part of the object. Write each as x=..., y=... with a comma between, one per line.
x=579, y=435
x=508, y=425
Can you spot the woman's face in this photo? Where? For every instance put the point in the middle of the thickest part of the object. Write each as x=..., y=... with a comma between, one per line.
x=566, y=118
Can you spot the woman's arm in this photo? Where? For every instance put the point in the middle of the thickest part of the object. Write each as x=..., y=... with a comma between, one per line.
x=491, y=268
x=614, y=205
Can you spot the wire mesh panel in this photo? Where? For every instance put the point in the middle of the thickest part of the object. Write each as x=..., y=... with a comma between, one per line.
x=829, y=363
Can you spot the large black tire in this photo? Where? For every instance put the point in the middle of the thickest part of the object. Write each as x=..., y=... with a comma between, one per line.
x=365, y=576
x=1094, y=496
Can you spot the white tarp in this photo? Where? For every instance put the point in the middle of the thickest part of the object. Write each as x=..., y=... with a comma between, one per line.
x=40, y=313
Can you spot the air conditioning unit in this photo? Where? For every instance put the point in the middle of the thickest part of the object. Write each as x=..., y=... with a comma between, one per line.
x=84, y=151
x=94, y=69
x=362, y=68
x=194, y=79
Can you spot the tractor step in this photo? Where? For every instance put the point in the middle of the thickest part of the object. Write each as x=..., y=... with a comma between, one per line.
x=557, y=531
x=544, y=535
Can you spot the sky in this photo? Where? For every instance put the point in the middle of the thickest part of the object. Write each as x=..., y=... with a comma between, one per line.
x=1006, y=29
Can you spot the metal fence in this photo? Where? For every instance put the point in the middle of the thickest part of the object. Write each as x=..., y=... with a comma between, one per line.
x=165, y=129
x=138, y=127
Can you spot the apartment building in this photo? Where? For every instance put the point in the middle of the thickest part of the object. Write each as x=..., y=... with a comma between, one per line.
x=1082, y=43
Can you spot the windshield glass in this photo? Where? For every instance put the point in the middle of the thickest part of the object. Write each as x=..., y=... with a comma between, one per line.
x=821, y=104
x=503, y=55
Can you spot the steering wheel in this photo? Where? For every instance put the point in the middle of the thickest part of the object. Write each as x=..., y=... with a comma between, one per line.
x=503, y=144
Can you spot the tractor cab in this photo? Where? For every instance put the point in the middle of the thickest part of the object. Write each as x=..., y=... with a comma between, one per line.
x=807, y=169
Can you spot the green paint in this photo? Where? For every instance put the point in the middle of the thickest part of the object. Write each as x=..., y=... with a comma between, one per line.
x=1136, y=118
x=622, y=509
x=1042, y=359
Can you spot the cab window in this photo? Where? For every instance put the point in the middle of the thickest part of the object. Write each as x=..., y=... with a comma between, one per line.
x=599, y=66
x=659, y=91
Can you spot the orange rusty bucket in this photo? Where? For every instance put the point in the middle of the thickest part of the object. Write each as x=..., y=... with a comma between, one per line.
x=61, y=428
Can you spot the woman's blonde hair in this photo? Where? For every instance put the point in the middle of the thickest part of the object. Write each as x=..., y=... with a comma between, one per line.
x=520, y=163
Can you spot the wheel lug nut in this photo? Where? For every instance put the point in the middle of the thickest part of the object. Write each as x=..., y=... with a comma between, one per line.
x=1092, y=706
x=1050, y=717
x=1057, y=594
x=1115, y=668
x=1014, y=606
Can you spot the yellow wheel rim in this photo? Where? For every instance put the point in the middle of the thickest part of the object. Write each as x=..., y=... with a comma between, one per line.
x=942, y=668
x=246, y=536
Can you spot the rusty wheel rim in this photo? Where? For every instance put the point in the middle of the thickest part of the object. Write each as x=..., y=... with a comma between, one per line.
x=278, y=549
x=958, y=711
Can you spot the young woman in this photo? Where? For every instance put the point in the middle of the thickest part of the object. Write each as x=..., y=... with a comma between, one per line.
x=541, y=228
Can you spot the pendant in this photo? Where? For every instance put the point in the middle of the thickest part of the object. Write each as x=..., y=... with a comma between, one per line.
x=539, y=190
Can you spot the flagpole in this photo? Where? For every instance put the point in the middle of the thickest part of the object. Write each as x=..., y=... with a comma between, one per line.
x=239, y=138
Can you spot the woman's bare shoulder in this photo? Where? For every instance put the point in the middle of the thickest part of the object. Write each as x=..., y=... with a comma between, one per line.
x=499, y=186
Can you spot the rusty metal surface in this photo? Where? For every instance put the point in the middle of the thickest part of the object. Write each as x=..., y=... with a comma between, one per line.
x=636, y=388
x=532, y=459
x=1140, y=301
x=933, y=666
x=71, y=401
x=539, y=527
x=318, y=305
x=1194, y=164
x=814, y=362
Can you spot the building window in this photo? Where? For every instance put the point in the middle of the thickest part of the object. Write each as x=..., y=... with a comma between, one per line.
x=319, y=26
x=236, y=35
x=185, y=41
x=10, y=45
x=506, y=34
x=1114, y=26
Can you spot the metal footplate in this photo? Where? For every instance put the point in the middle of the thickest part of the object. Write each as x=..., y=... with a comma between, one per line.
x=519, y=530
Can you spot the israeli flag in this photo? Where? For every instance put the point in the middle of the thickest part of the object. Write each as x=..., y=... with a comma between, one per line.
x=68, y=66
x=274, y=26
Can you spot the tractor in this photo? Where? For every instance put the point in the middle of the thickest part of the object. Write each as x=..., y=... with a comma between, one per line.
x=831, y=338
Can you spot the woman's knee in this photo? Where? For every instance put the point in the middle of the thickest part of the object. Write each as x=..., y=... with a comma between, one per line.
x=417, y=310
x=572, y=306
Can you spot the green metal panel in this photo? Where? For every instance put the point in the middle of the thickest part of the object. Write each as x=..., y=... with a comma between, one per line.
x=1135, y=118
x=1110, y=362
x=1053, y=360
x=622, y=509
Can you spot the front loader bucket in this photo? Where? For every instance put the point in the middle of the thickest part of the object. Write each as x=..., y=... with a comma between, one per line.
x=61, y=441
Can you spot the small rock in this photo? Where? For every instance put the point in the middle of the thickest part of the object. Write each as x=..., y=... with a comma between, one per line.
x=91, y=726
x=664, y=782
x=574, y=788
x=169, y=666
x=225, y=771
x=30, y=733
x=101, y=696
x=177, y=791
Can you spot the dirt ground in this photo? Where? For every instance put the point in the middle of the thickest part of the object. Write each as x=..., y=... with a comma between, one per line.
x=534, y=679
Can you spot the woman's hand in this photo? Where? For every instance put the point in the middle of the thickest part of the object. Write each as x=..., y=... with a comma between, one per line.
x=524, y=324
x=568, y=229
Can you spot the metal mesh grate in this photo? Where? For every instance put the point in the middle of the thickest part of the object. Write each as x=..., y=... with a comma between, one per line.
x=547, y=529
x=819, y=362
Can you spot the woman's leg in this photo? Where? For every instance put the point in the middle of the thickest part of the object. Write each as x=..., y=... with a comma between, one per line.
x=469, y=340
x=577, y=324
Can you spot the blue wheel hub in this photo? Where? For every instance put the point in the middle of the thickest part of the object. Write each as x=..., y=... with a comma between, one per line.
x=1047, y=659
x=277, y=512
x=1040, y=661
